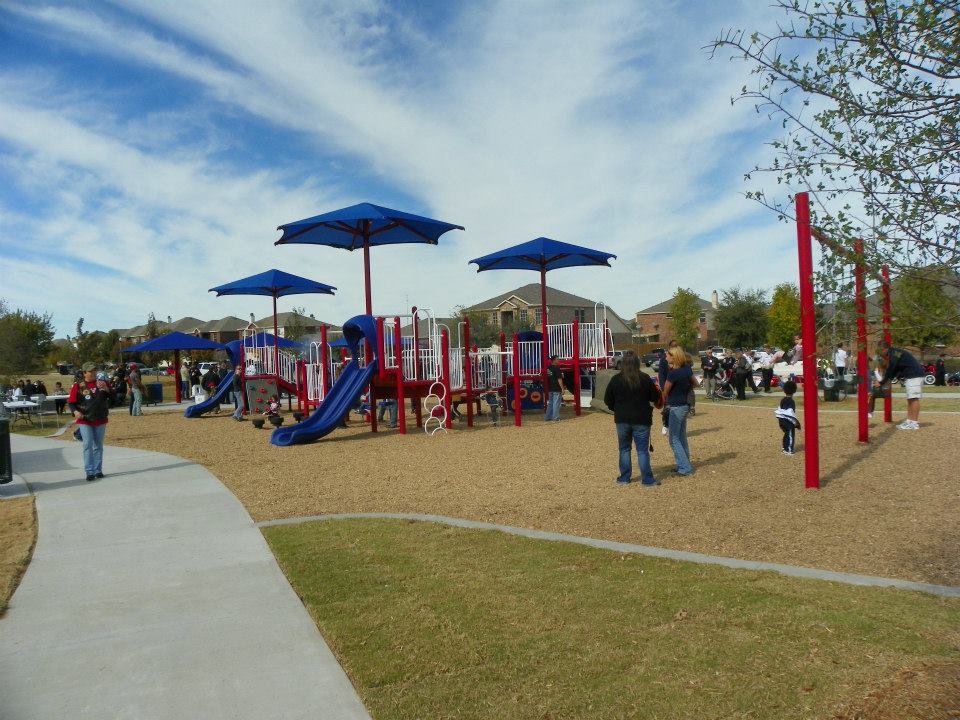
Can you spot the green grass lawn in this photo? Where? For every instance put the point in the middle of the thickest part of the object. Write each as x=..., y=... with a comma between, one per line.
x=431, y=621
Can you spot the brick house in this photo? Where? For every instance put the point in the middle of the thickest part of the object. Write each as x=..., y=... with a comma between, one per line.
x=522, y=306
x=653, y=323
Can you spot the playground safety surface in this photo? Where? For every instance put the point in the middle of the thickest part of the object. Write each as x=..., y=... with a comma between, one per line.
x=890, y=508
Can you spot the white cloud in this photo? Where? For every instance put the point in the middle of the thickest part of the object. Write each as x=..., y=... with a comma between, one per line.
x=515, y=120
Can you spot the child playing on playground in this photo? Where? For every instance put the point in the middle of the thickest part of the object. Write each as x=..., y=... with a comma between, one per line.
x=494, y=403
x=273, y=407
x=787, y=417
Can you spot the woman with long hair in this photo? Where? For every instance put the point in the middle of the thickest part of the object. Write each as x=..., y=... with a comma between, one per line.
x=679, y=382
x=630, y=396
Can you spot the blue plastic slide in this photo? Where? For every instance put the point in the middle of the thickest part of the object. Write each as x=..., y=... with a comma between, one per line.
x=344, y=394
x=218, y=395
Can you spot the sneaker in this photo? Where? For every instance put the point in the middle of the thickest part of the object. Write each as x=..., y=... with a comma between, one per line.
x=787, y=452
x=91, y=478
x=650, y=484
x=623, y=482
x=99, y=475
x=908, y=425
x=664, y=431
x=869, y=416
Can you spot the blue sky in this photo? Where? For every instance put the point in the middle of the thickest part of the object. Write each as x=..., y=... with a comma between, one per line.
x=148, y=150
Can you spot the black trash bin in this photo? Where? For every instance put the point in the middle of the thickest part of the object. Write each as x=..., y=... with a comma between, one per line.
x=6, y=456
x=154, y=393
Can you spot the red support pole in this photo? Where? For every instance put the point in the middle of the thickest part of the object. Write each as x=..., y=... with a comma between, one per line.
x=366, y=266
x=887, y=398
x=811, y=430
x=276, y=347
x=576, y=366
x=445, y=361
x=401, y=400
x=324, y=362
x=176, y=376
x=863, y=370
x=416, y=344
x=467, y=371
x=545, y=349
x=516, y=380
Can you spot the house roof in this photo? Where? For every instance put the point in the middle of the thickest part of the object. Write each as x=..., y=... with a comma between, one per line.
x=185, y=324
x=227, y=324
x=530, y=294
x=285, y=318
x=664, y=307
x=422, y=324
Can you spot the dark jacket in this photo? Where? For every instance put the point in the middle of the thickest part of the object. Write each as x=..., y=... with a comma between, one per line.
x=709, y=365
x=91, y=401
x=631, y=405
x=902, y=365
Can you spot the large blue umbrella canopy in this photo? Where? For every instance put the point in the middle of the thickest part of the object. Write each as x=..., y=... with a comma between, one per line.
x=273, y=283
x=542, y=254
x=175, y=341
x=362, y=226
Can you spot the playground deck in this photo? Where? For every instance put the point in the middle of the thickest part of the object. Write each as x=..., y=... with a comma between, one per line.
x=890, y=508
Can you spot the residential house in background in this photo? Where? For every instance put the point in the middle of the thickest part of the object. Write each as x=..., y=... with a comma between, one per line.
x=653, y=323
x=522, y=306
x=227, y=328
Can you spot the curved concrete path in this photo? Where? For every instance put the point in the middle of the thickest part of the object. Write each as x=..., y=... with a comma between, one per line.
x=152, y=594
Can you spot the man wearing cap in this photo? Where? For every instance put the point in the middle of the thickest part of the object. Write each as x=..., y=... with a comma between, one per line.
x=90, y=404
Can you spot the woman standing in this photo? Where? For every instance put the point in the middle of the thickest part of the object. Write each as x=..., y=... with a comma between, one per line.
x=679, y=382
x=90, y=404
x=630, y=395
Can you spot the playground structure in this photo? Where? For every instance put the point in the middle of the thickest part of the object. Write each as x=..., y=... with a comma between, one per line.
x=435, y=365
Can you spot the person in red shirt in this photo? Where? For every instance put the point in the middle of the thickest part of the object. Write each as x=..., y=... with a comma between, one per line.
x=90, y=404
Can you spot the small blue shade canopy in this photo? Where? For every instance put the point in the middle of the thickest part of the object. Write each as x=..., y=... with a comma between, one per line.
x=265, y=339
x=175, y=341
x=542, y=254
x=363, y=226
x=273, y=283
x=339, y=343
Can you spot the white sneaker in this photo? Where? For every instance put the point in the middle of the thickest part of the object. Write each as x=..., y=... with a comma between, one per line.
x=870, y=415
x=664, y=431
x=908, y=425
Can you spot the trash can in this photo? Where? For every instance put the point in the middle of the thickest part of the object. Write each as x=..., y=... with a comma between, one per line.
x=154, y=393
x=831, y=390
x=6, y=457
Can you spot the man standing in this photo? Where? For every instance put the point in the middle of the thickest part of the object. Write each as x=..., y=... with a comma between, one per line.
x=709, y=367
x=940, y=372
x=90, y=404
x=840, y=361
x=748, y=354
x=766, y=367
x=184, y=379
x=741, y=369
x=135, y=383
x=555, y=390
x=903, y=365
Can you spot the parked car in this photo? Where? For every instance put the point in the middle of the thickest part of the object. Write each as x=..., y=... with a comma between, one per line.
x=652, y=356
x=66, y=368
x=206, y=367
x=615, y=357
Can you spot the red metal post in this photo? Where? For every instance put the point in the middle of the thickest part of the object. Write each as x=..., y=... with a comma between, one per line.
x=545, y=349
x=176, y=376
x=416, y=344
x=324, y=361
x=445, y=361
x=276, y=347
x=366, y=266
x=401, y=400
x=606, y=343
x=516, y=381
x=467, y=371
x=576, y=366
x=811, y=430
x=863, y=369
x=888, y=398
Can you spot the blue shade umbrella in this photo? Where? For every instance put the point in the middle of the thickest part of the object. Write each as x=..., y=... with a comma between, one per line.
x=263, y=339
x=362, y=226
x=273, y=283
x=175, y=341
x=542, y=254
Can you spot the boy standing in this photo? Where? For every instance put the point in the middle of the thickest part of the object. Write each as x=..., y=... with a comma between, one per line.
x=787, y=417
x=840, y=361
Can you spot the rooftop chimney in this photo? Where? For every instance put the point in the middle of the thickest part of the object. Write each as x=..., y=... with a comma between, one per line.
x=169, y=319
x=251, y=317
x=715, y=299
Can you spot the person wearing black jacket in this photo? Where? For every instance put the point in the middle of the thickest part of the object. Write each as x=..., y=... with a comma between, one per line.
x=631, y=395
x=940, y=372
x=90, y=404
x=741, y=369
x=709, y=366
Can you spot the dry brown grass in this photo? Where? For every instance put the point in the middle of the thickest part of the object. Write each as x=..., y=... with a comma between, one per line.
x=18, y=533
x=890, y=508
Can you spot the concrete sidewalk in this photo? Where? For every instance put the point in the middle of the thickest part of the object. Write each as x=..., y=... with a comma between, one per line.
x=151, y=594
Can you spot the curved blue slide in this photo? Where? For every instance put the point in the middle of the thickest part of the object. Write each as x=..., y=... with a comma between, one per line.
x=218, y=395
x=351, y=384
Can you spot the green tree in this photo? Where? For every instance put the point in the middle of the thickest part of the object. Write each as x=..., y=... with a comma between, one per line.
x=295, y=328
x=684, y=313
x=741, y=317
x=924, y=316
x=483, y=332
x=783, y=315
x=868, y=96
x=109, y=348
x=25, y=338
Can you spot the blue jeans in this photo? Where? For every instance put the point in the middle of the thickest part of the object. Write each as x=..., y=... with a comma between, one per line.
x=92, y=436
x=640, y=435
x=678, y=438
x=136, y=397
x=553, y=406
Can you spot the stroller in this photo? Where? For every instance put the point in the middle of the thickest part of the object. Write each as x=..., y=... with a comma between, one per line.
x=724, y=389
